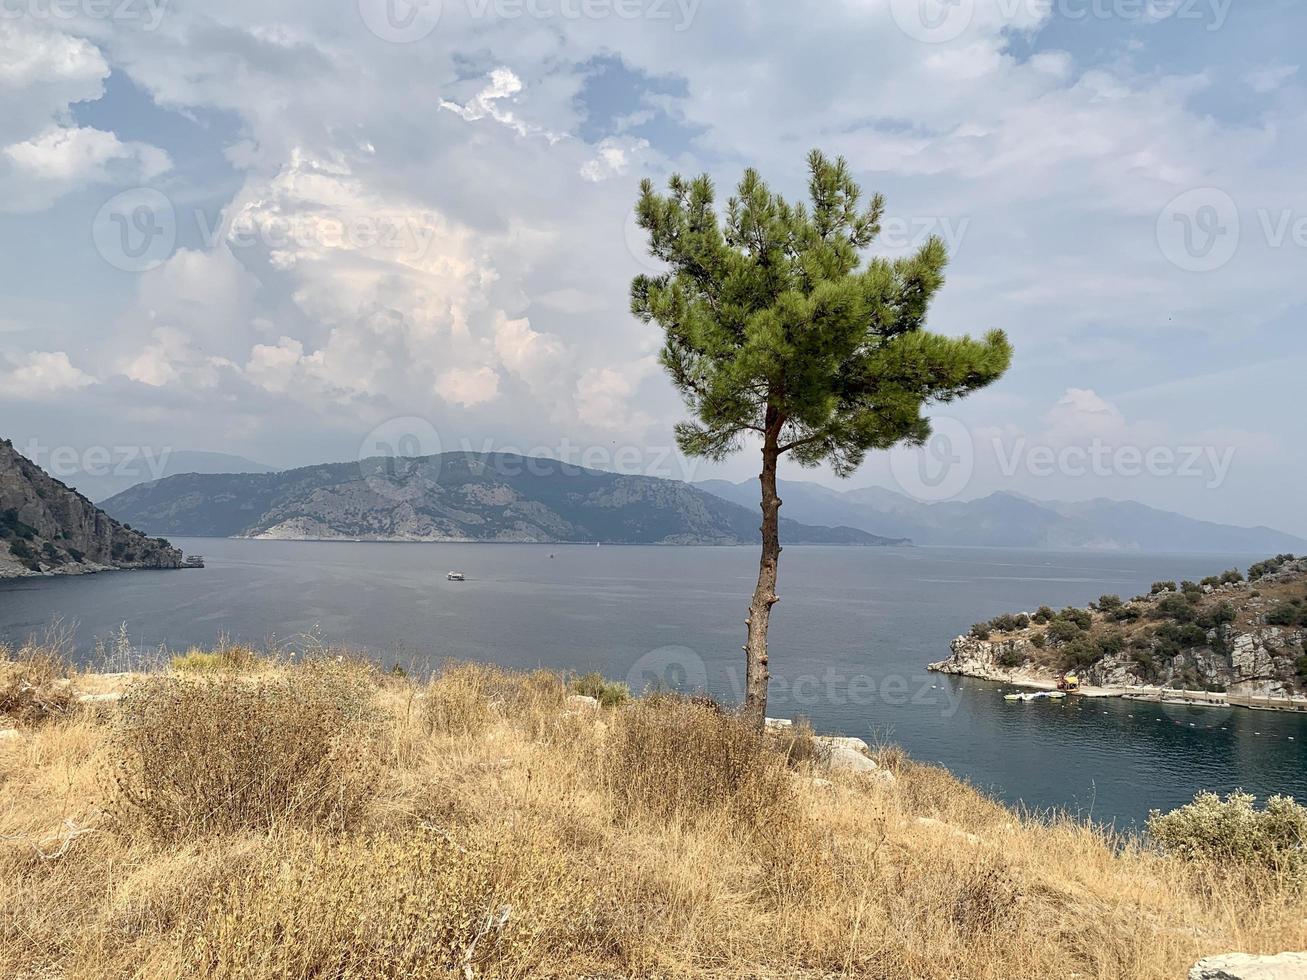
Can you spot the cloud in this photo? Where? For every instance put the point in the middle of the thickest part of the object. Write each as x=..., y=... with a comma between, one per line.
x=468, y=386
x=614, y=158
x=504, y=84
x=41, y=375
x=1268, y=78
x=43, y=72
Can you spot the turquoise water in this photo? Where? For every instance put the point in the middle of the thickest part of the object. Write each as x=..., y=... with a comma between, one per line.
x=850, y=641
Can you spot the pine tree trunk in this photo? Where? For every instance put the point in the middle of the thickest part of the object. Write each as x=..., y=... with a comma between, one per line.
x=764, y=596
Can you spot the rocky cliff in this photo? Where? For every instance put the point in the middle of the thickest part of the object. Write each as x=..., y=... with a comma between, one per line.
x=48, y=529
x=1226, y=634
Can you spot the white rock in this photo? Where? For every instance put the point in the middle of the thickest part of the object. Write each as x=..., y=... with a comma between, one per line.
x=583, y=702
x=100, y=698
x=843, y=757
x=8, y=733
x=1242, y=966
x=779, y=723
x=839, y=741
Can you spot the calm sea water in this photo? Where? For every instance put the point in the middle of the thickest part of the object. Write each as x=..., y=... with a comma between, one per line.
x=850, y=641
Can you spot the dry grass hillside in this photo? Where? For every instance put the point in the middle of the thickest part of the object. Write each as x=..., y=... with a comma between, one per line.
x=239, y=817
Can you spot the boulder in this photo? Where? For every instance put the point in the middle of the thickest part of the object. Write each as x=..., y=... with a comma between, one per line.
x=1242, y=966
x=847, y=759
x=582, y=702
x=8, y=733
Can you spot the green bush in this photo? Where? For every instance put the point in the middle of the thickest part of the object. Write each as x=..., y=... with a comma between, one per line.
x=1043, y=614
x=1232, y=576
x=1217, y=615
x=1177, y=606
x=1080, y=653
x=1039, y=641
x=1080, y=617
x=1234, y=832
x=608, y=693
x=980, y=631
x=1268, y=567
x=1162, y=587
x=1063, y=631
x=1108, y=603
x=1300, y=665
x=1010, y=658
x=1287, y=614
x=1110, y=644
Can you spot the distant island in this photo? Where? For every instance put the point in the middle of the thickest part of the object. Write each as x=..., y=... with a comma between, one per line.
x=1227, y=639
x=1011, y=520
x=47, y=528
x=459, y=496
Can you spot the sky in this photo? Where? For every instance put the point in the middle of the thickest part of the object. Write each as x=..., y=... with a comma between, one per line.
x=323, y=229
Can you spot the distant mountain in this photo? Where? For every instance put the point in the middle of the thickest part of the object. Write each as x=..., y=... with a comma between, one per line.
x=1012, y=520
x=47, y=528
x=454, y=497
x=125, y=472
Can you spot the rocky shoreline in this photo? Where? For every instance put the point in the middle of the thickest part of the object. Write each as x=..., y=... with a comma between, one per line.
x=1226, y=643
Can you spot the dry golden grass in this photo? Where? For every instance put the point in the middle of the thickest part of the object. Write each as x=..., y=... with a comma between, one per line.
x=327, y=821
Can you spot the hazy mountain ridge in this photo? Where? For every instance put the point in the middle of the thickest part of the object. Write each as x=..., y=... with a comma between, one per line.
x=122, y=474
x=1006, y=519
x=454, y=497
x=47, y=528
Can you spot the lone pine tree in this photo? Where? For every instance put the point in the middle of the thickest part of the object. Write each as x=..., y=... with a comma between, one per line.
x=776, y=328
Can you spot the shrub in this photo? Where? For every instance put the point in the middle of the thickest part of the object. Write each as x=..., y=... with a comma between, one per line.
x=980, y=631
x=31, y=691
x=678, y=759
x=1232, y=576
x=1039, y=641
x=1004, y=623
x=1080, y=653
x=1043, y=614
x=211, y=754
x=798, y=743
x=608, y=693
x=1063, y=631
x=416, y=905
x=1286, y=614
x=1126, y=613
x=1177, y=606
x=235, y=658
x=1234, y=832
x=1109, y=603
x=1009, y=657
x=1162, y=587
x=1300, y=665
x=21, y=550
x=465, y=699
x=1110, y=644
x=1268, y=567
x=1022, y=621
x=1080, y=617
x=1217, y=615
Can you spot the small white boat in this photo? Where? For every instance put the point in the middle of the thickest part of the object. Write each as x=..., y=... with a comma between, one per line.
x=456, y=577
x=1035, y=696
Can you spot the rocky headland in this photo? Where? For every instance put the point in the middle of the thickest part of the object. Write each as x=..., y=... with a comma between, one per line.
x=1230, y=639
x=47, y=528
